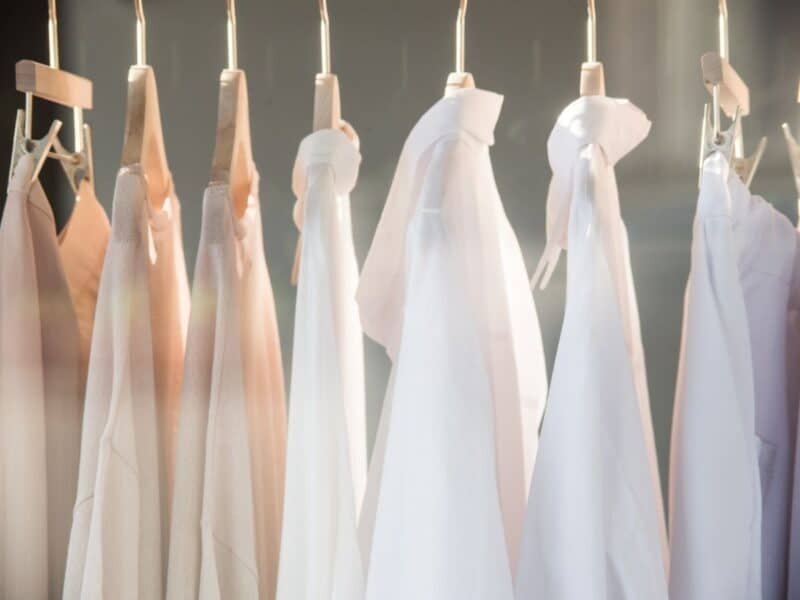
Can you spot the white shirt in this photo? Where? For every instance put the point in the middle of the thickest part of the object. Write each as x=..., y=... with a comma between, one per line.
x=230, y=453
x=48, y=289
x=444, y=289
x=119, y=539
x=595, y=525
x=732, y=430
x=326, y=453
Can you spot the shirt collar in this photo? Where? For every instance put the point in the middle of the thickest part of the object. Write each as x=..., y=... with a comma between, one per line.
x=327, y=147
x=616, y=125
x=471, y=110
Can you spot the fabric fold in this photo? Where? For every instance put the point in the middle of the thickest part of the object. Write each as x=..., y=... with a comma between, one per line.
x=120, y=534
x=444, y=289
x=226, y=516
x=595, y=525
x=326, y=454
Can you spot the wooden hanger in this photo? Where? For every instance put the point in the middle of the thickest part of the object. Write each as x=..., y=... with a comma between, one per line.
x=50, y=83
x=794, y=155
x=144, y=140
x=593, y=79
x=730, y=95
x=460, y=79
x=232, y=162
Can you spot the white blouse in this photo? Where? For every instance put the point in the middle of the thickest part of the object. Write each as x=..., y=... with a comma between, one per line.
x=736, y=404
x=444, y=289
x=595, y=524
x=230, y=454
x=326, y=453
x=119, y=540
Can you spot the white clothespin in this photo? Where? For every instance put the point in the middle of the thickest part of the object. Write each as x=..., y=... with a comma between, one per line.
x=730, y=94
x=794, y=154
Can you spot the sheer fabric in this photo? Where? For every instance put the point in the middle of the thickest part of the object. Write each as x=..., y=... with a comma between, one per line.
x=595, y=524
x=48, y=288
x=444, y=289
x=119, y=541
x=226, y=516
x=326, y=454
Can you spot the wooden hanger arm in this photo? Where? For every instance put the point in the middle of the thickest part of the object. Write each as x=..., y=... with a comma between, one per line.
x=232, y=162
x=144, y=140
x=733, y=92
x=327, y=102
x=54, y=85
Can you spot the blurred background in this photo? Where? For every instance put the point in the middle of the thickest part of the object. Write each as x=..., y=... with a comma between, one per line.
x=392, y=58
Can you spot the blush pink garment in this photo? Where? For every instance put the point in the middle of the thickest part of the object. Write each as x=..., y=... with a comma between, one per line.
x=595, y=523
x=326, y=455
x=47, y=295
x=119, y=540
x=445, y=290
x=226, y=517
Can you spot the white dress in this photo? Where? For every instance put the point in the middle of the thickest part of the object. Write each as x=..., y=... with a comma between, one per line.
x=230, y=453
x=48, y=289
x=120, y=533
x=735, y=408
x=444, y=289
x=595, y=523
x=326, y=453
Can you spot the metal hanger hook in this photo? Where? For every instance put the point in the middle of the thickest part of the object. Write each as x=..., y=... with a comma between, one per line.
x=591, y=32
x=724, y=45
x=52, y=33
x=233, y=49
x=324, y=37
x=461, y=20
x=141, y=34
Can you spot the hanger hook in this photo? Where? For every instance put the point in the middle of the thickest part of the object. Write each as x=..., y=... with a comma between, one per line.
x=591, y=32
x=724, y=47
x=324, y=37
x=52, y=33
x=141, y=34
x=233, y=53
x=460, y=35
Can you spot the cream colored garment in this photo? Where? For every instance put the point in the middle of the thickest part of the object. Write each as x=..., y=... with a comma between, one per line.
x=715, y=492
x=47, y=295
x=326, y=456
x=232, y=430
x=595, y=524
x=445, y=290
x=119, y=540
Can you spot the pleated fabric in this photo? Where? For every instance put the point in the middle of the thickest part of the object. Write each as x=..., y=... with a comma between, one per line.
x=595, y=523
x=444, y=289
x=120, y=534
x=48, y=289
x=326, y=455
x=230, y=455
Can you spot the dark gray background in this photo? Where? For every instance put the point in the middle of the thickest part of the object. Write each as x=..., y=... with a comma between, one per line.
x=392, y=58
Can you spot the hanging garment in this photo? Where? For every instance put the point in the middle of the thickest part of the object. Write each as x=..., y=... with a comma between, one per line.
x=326, y=455
x=730, y=489
x=793, y=360
x=445, y=290
x=595, y=523
x=230, y=454
x=119, y=540
x=48, y=287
